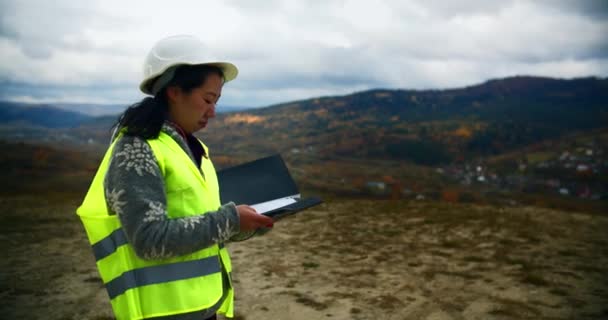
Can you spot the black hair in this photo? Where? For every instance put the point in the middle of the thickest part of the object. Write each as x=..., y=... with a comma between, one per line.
x=145, y=118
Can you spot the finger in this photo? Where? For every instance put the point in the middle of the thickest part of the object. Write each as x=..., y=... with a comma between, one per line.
x=265, y=220
x=248, y=207
x=269, y=224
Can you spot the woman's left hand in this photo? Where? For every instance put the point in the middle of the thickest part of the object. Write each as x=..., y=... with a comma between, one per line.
x=251, y=220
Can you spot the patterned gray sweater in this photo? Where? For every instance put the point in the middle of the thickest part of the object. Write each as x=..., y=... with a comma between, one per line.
x=135, y=190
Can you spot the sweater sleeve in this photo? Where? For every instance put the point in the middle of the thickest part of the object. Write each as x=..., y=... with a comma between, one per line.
x=135, y=191
x=242, y=236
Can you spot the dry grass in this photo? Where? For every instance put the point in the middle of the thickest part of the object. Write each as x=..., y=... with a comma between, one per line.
x=351, y=259
x=398, y=259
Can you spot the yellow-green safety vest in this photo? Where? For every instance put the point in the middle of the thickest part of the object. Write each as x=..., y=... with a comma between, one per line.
x=139, y=288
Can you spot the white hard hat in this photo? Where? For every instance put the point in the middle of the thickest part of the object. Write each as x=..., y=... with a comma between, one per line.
x=179, y=50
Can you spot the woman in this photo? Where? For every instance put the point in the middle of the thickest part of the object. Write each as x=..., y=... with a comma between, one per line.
x=153, y=213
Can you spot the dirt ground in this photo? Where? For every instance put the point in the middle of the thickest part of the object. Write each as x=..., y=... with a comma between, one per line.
x=346, y=259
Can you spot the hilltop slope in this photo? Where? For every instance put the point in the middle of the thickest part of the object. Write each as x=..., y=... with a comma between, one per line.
x=425, y=127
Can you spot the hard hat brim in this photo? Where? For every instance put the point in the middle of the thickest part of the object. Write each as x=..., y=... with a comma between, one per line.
x=229, y=70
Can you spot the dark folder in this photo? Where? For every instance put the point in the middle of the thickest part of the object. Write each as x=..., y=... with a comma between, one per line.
x=264, y=184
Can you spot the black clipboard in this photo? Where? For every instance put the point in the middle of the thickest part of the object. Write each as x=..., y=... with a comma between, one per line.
x=263, y=181
x=296, y=207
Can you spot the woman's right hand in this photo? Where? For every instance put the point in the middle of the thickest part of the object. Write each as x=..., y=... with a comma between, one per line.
x=251, y=220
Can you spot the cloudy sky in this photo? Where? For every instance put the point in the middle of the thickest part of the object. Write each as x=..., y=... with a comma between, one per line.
x=93, y=51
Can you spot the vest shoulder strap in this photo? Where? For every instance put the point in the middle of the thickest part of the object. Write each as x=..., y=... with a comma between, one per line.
x=158, y=154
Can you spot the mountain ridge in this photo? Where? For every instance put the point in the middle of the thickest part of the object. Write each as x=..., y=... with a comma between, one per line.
x=519, y=81
x=424, y=126
x=44, y=115
x=484, y=119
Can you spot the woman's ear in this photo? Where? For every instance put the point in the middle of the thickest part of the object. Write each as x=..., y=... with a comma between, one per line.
x=173, y=93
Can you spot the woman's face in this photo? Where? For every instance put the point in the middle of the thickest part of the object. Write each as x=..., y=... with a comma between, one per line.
x=191, y=111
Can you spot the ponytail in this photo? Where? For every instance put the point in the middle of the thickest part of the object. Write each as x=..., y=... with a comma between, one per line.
x=144, y=119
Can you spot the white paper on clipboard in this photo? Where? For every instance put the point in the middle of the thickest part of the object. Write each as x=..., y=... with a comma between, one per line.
x=274, y=204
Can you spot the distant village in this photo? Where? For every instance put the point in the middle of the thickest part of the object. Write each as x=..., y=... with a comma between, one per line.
x=574, y=170
x=579, y=171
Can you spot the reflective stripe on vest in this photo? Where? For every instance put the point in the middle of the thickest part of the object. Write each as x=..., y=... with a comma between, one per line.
x=163, y=273
x=147, y=288
x=109, y=244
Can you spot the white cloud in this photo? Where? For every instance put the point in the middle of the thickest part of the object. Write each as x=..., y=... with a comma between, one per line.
x=93, y=50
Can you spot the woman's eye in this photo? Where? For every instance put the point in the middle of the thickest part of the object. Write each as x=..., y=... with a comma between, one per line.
x=208, y=101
